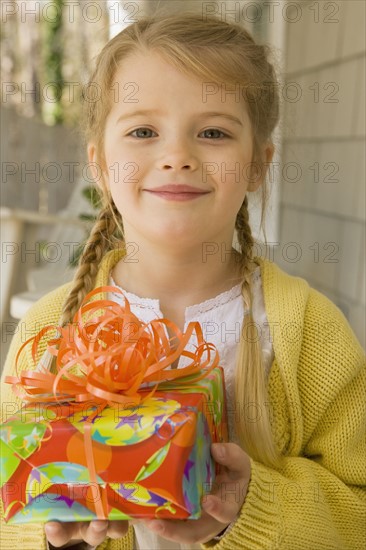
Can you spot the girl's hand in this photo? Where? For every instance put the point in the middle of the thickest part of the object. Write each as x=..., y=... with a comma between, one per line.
x=93, y=532
x=220, y=508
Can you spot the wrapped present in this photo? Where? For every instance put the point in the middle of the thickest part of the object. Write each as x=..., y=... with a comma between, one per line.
x=111, y=431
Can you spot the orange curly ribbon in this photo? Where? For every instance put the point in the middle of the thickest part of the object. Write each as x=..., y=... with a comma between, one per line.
x=116, y=367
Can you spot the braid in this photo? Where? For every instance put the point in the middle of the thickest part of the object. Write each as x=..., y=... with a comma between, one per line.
x=250, y=377
x=246, y=242
x=101, y=240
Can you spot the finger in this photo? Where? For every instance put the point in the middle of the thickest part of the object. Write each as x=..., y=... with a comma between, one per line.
x=186, y=532
x=223, y=511
x=233, y=458
x=227, y=486
x=93, y=533
x=117, y=529
x=59, y=534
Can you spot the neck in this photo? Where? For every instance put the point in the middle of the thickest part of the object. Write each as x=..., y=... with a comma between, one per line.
x=182, y=277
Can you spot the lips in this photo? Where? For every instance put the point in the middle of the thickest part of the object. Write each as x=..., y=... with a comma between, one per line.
x=177, y=189
x=177, y=192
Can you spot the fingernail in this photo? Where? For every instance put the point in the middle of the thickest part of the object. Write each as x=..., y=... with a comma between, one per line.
x=219, y=450
x=51, y=528
x=99, y=526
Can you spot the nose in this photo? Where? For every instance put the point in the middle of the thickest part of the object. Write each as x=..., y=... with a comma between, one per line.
x=178, y=154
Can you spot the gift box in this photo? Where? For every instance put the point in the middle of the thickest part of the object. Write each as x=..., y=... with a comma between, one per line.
x=138, y=454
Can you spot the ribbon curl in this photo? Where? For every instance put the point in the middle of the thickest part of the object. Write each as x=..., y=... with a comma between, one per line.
x=118, y=355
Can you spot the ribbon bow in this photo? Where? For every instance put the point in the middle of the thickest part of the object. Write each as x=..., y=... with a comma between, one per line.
x=117, y=354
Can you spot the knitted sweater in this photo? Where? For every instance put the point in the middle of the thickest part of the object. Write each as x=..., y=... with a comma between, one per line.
x=316, y=396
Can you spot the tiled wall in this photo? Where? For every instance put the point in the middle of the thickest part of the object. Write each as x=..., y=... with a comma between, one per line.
x=323, y=191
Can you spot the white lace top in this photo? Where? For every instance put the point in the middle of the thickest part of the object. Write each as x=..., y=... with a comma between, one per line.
x=221, y=319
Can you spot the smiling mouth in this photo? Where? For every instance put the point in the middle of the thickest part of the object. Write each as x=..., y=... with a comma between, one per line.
x=179, y=195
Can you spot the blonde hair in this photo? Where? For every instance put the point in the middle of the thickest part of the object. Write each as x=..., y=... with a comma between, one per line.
x=220, y=52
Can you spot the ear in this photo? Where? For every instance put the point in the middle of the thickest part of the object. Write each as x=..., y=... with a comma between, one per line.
x=259, y=171
x=96, y=169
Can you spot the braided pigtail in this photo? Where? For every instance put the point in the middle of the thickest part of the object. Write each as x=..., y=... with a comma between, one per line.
x=101, y=240
x=250, y=387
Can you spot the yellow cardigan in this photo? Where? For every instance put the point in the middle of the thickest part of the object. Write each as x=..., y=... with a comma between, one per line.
x=317, y=400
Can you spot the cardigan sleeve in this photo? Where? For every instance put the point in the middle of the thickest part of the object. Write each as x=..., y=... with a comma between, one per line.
x=317, y=499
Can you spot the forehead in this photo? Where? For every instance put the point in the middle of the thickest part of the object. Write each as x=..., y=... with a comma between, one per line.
x=150, y=79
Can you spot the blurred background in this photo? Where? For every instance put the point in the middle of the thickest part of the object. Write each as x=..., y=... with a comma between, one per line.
x=315, y=224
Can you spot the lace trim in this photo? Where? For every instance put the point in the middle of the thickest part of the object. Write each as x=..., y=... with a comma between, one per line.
x=212, y=303
x=191, y=311
x=149, y=303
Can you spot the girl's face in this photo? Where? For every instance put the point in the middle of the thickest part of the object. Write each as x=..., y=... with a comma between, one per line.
x=165, y=128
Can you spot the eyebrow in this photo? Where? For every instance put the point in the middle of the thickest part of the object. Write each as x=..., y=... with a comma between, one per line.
x=211, y=114
x=139, y=113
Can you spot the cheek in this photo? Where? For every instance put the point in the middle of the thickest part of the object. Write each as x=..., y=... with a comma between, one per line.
x=126, y=198
x=230, y=202
x=124, y=170
x=120, y=197
x=234, y=171
x=232, y=189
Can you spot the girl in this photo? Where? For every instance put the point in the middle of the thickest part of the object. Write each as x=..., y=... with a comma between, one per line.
x=165, y=134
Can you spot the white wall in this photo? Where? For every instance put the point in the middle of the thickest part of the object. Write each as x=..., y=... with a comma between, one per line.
x=329, y=209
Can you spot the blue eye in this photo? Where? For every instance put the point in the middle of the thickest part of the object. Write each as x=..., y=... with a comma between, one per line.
x=141, y=130
x=213, y=130
x=140, y=133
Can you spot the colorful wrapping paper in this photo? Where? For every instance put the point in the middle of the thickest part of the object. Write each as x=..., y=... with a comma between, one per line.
x=151, y=460
x=110, y=430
